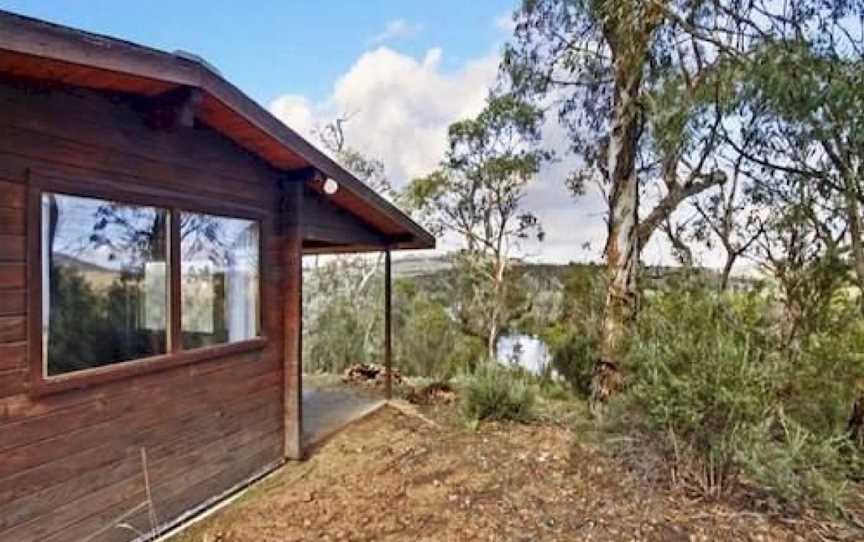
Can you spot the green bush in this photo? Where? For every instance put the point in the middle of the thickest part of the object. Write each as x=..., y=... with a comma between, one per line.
x=698, y=379
x=573, y=335
x=573, y=356
x=708, y=377
x=826, y=377
x=467, y=353
x=497, y=393
x=795, y=465
x=425, y=332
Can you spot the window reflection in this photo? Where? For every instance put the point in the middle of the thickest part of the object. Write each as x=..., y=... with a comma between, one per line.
x=219, y=279
x=105, y=282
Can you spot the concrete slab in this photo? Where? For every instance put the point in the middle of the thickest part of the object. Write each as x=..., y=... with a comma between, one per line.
x=327, y=410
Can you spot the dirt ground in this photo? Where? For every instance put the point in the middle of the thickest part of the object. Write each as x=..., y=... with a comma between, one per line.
x=394, y=476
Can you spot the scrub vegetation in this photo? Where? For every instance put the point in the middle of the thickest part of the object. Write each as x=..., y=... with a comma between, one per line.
x=732, y=128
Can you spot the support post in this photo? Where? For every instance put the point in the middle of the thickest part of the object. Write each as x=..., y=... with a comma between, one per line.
x=292, y=313
x=388, y=308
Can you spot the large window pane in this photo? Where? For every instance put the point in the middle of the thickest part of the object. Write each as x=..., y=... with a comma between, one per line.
x=105, y=282
x=219, y=279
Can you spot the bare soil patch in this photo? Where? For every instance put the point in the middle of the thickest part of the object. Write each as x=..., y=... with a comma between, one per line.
x=393, y=476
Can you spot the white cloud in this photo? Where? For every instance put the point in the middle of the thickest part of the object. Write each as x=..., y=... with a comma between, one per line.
x=399, y=107
x=397, y=29
x=296, y=111
x=505, y=23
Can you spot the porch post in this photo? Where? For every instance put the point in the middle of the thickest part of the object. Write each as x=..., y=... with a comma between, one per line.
x=292, y=312
x=388, y=346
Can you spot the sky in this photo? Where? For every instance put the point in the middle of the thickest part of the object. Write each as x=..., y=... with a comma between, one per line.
x=401, y=70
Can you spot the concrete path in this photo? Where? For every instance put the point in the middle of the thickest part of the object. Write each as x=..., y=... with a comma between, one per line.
x=327, y=410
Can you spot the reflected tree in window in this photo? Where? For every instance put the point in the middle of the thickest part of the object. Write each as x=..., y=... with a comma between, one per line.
x=219, y=279
x=105, y=281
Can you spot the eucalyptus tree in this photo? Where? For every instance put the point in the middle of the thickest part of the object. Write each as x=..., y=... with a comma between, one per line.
x=808, y=91
x=343, y=293
x=811, y=94
x=633, y=82
x=730, y=217
x=800, y=243
x=477, y=195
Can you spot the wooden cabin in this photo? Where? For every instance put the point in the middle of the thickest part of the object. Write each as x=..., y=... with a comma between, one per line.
x=153, y=220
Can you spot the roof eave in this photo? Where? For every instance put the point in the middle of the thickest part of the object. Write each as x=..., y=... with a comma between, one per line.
x=28, y=36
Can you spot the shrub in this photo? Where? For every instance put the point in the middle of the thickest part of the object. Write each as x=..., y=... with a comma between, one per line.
x=795, y=465
x=710, y=380
x=826, y=377
x=467, y=353
x=697, y=378
x=573, y=335
x=498, y=393
x=573, y=356
x=425, y=332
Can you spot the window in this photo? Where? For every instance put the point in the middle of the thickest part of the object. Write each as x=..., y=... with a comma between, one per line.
x=114, y=289
x=105, y=286
x=219, y=284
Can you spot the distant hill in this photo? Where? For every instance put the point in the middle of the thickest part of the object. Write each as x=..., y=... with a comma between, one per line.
x=553, y=275
x=71, y=262
x=415, y=266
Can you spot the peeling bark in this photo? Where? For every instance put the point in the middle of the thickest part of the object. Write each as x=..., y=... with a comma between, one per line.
x=622, y=247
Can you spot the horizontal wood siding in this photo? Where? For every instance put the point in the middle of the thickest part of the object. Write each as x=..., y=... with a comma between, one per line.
x=324, y=221
x=71, y=462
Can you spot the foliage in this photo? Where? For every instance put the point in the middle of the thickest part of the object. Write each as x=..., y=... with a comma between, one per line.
x=573, y=357
x=698, y=377
x=477, y=195
x=573, y=337
x=711, y=378
x=794, y=464
x=826, y=375
x=431, y=343
x=497, y=393
x=343, y=313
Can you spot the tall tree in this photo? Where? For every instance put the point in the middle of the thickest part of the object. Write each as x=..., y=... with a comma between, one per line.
x=807, y=89
x=812, y=95
x=629, y=82
x=477, y=194
x=342, y=296
x=729, y=217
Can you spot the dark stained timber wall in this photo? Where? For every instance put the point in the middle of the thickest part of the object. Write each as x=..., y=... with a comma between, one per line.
x=71, y=461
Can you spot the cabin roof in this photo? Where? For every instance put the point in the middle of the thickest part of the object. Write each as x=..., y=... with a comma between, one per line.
x=35, y=49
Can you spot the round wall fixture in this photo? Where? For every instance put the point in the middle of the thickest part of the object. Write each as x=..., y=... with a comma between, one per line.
x=330, y=186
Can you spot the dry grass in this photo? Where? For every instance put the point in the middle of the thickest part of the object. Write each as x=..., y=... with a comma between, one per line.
x=393, y=476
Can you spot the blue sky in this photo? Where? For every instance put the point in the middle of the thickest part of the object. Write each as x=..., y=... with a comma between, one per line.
x=269, y=48
x=401, y=71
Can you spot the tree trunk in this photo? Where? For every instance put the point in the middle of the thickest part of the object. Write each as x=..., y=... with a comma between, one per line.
x=853, y=217
x=622, y=250
x=497, y=302
x=727, y=270
x=855, y=426
x=491, y=340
